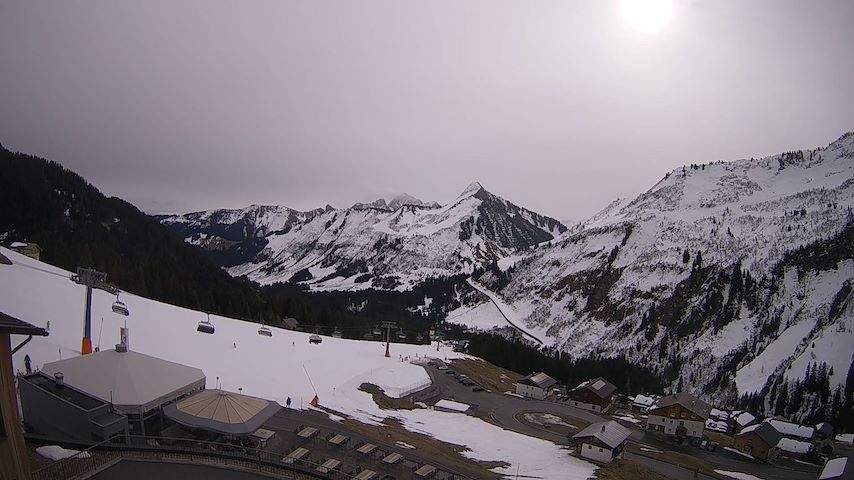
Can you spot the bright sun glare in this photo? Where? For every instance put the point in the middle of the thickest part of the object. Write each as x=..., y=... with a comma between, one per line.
x=648, y=16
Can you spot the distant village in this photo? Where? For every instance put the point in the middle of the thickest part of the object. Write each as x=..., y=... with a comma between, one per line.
x=686, y=418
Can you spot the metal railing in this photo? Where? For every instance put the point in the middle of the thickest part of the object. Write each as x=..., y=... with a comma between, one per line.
x=182, y=450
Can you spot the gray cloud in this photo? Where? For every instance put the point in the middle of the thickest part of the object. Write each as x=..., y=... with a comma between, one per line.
x=555, y=105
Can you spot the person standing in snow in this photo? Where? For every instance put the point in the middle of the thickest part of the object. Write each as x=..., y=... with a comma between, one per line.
x=235, y=344
x=288, y=403
x=27, y=364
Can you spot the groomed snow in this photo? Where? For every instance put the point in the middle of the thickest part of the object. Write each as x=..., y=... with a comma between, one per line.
x=274, y=367
x=536, y=458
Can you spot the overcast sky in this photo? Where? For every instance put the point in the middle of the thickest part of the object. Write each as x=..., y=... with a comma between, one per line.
x=559, y=106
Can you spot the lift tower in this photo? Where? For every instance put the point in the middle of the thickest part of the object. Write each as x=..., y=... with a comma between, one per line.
x=91, y=278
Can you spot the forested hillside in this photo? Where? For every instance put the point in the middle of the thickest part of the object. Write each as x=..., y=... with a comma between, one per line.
x=76, y=225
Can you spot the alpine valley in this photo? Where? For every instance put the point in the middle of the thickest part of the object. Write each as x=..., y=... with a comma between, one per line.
x=733, y=278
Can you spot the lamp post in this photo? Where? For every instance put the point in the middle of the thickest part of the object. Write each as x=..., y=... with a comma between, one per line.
x=91, y=278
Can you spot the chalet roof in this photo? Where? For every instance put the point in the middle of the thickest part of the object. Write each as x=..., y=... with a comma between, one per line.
x=540, y=380
x=598, y=386
x=610, y=433
x=766, y=432
x=687, y=401
x=642, y=400
x=743, y=418
x=12, y=326
x=824, y=428
x=790, y=429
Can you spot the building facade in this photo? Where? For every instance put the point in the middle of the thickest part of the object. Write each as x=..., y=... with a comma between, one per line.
x=759, y=441
x=595, y=395
x=535, y=386
x=681, y=414
x=14, y=461
x=55, y=410
x=602, y=441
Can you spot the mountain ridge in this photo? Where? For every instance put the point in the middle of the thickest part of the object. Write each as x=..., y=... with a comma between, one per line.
x=366, y=245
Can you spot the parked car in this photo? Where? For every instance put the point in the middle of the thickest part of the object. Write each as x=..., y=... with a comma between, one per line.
x=442, y=367
x=314, y=339
x=477, y=388
x=450, y=372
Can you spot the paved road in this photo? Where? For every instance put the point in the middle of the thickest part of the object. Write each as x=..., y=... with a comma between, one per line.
x=507, y=412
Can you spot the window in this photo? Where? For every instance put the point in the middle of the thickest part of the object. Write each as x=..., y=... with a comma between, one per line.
x=590, y=447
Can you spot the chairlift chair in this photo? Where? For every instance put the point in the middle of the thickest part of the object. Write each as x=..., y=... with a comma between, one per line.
x=205, y=326
x=120, y=308
x=377, y=331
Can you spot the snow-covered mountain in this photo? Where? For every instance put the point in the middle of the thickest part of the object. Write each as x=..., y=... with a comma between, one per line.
x=726, y=276
x=403, y=199
x=383, y=244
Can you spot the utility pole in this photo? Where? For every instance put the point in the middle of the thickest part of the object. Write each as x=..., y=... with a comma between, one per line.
x=388, y=326
x=91, y=278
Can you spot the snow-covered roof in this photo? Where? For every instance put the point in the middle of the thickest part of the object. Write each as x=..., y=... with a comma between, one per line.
x=132, y=381
x=744, y=418
x=18, y=244
x=794, y=446
x=845, y=438
x=610, y=433
x=834, y=469
x=540, y=380
x=790, y=429
x=642, y=400
x=720, y=414
x=717, y=426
